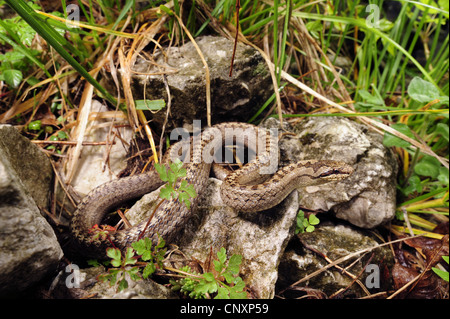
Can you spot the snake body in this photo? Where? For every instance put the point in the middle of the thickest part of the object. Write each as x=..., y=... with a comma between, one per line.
x=236, y=192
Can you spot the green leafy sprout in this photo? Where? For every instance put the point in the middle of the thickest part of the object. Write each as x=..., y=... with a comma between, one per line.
x=306, y=224
x=127, y=264
x=184, y=192
x=224, y=281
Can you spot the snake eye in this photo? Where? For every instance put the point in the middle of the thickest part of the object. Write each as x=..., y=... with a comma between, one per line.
x=330, y=173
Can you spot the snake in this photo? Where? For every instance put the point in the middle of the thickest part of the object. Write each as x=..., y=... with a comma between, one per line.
x=257, y=186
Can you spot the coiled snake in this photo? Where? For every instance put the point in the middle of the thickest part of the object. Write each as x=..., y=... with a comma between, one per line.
x=238, y=189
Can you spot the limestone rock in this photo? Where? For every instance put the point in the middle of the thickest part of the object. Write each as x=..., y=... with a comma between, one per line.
x=335, y=241
x=368, y=197
x=260, y=238
x=75, y=283
x=29, y=163
x=234, y=98
x=29, y=249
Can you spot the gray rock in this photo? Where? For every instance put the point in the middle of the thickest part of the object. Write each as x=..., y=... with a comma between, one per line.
x=29, y=163
x=29, y=249
x=368, y=197
x=232, y=98
x=74, y=283
x=335, y=241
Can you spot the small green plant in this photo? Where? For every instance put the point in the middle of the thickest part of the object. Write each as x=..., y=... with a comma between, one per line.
x=184, y=192
x=122, y=267
x=224, y=281
x=152, y=256
x=128, y=265
x=441, y=273
x=306, y=224
x=16, y=33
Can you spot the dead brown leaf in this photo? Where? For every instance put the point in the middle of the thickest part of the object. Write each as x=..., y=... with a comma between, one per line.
x=415, y=270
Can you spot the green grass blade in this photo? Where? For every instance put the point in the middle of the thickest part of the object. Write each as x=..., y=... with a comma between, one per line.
x=362, y=24
x=19, y=47
x=56, y=41
x=128, y=5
